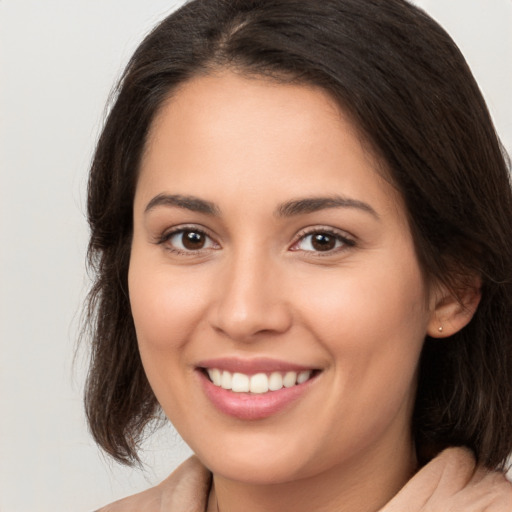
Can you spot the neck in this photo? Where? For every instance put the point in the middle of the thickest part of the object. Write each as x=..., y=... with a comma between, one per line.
x=364, y=484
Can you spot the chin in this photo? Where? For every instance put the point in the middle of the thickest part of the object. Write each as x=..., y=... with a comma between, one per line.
x=256, y=461
x=272, y=470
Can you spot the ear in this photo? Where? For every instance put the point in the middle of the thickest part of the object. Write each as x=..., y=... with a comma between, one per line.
x=451, y=310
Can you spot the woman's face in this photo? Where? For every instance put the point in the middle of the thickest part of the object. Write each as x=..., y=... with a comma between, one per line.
x=268, y=251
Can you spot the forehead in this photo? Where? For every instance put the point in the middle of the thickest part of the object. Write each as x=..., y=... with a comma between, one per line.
x=212, y=99
x=230, y=130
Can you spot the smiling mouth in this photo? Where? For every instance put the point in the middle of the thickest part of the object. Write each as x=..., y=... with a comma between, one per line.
x=257, y=383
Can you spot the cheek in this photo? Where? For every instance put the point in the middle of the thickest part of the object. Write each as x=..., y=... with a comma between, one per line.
x=373, y=322
x=367, y=304
x=165, y=306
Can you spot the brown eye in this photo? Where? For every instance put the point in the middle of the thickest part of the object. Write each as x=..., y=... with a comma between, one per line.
x=323, y=242
x=192, y=240
x=188, y=240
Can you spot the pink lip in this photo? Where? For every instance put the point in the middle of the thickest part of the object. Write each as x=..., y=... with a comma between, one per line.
x=252, y=366
x=249, y=406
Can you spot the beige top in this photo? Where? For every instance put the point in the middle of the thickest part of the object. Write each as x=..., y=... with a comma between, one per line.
x=451, y=481
x=185, y=490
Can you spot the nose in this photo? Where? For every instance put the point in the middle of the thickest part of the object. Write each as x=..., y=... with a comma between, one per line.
x=250, y=300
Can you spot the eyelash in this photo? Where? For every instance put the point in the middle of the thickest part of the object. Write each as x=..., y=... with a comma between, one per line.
x=345, y=241
x=166, y=237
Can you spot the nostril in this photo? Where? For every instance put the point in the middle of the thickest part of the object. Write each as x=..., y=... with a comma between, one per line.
x=248, y=325
x=248, y=301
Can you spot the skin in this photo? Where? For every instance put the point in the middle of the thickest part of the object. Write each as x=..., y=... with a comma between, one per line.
x=257, y=287
x=450, y=482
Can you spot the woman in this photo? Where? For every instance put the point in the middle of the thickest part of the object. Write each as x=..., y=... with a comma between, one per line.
x=300, y=219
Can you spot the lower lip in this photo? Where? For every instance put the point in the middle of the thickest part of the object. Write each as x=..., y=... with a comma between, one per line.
x=251, y=406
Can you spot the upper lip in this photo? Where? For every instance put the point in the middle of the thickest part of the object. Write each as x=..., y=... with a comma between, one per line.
x=252, y=366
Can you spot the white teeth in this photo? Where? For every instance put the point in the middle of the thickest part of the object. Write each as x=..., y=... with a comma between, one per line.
x=290, y=379
x=303, y=376
x=257, y=383
x=226, y=380
x=215, y=376
x=275, y=382
x=240, y=383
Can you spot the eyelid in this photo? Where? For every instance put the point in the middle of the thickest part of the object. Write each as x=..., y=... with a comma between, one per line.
x=169, y=233
x=347, y=239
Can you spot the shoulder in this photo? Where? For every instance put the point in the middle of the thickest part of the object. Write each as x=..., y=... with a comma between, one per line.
x=186, y=489
x=454, y=481
x=149, y=500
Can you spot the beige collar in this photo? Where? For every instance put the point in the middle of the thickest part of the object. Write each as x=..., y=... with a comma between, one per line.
x=187, y=488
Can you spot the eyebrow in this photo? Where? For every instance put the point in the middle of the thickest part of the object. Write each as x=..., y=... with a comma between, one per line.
x=314, y=204
x=191, y=203
x=288, y=209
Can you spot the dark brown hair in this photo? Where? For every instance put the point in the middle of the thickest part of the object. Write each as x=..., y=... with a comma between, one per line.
x=408, y=89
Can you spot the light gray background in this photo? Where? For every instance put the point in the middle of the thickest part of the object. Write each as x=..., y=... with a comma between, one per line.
x=58, y=61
